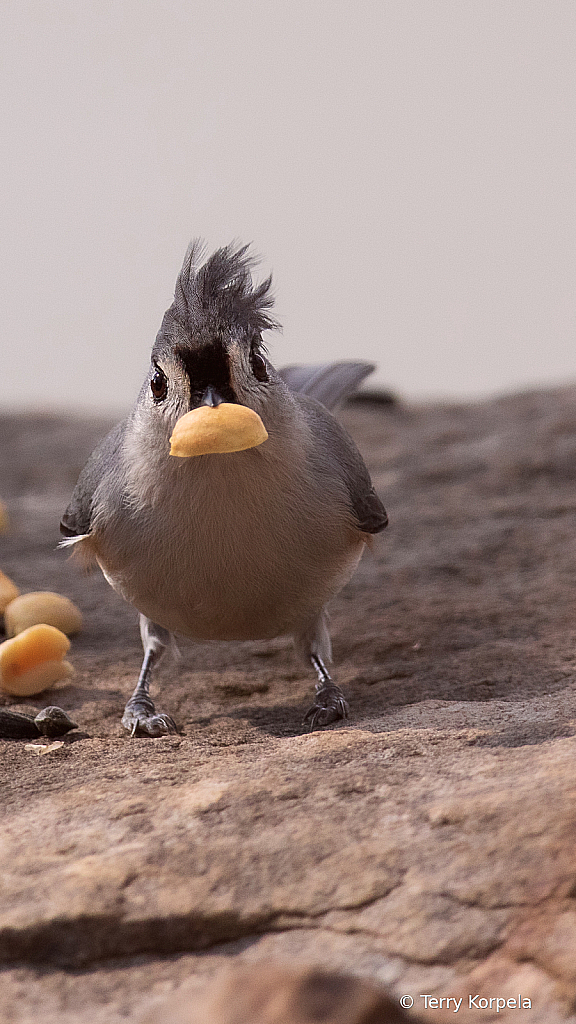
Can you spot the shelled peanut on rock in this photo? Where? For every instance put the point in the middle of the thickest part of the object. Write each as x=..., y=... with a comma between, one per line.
x=33, y=661
x=8, y=592
x=42, y=606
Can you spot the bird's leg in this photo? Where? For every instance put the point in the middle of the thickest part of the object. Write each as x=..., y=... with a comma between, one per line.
x=330, y=704
x=140, y=714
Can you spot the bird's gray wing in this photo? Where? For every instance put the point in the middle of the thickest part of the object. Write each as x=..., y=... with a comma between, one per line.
x=329, y=383
x=336, y=455
x=77, y=519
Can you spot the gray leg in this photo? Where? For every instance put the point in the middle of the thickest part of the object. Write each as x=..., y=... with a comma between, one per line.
x=140, y=712
x=330, y=705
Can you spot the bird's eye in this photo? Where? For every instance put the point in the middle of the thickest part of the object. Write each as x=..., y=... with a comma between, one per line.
x=159, y=385
x=259, y=368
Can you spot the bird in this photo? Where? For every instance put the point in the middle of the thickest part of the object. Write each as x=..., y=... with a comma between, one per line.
x=244, y=540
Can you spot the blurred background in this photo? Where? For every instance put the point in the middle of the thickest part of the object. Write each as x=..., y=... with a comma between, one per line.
x=406, y=169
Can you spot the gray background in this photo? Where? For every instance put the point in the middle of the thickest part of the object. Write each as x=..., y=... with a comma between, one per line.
x=405, y=167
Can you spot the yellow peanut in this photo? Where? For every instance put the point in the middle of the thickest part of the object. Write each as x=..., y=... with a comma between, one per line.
x=210, y=430
x=42, y=606
x=32, y=661
x=4, y=521
x=8, y=592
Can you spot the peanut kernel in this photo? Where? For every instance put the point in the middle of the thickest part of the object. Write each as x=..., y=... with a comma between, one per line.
x=32, y=661
x=42, y=606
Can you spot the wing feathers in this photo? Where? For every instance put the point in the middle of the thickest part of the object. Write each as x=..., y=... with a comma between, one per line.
x=329, y=383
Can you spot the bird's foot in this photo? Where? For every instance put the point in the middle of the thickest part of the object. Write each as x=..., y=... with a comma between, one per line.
x=140, y=718
x=328, y=707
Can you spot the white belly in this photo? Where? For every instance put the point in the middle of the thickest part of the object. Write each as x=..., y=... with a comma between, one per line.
x=221, y=555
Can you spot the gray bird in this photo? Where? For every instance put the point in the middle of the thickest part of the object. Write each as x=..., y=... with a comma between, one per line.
x=243, y=544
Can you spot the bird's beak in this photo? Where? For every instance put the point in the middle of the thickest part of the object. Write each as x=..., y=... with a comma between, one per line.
x=216, y=427
x=211, y=397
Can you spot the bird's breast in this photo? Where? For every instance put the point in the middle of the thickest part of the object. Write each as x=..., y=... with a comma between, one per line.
x=229, y=552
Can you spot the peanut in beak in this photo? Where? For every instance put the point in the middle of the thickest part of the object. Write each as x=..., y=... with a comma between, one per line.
x=211, y=430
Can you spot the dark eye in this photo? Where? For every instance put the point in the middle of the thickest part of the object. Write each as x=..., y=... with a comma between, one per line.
x=159, y=385
x=258, y=366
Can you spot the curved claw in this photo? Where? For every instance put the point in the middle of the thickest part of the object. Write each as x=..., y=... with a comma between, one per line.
x=332, y=708
x=137, y=722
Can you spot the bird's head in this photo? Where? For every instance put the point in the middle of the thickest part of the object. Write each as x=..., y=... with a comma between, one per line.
x=210, y=378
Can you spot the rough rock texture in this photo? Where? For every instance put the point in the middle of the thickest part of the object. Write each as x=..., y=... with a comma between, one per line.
x=429, y=844
x=268, y=994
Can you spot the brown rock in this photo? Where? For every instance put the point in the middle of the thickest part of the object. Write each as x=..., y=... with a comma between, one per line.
x=270, y=994
x=427, y=844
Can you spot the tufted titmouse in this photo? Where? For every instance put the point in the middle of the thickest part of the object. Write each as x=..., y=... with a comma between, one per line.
x=231, y=544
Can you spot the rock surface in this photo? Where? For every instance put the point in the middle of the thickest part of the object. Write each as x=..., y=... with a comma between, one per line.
x=267, y=994
x=427, y=844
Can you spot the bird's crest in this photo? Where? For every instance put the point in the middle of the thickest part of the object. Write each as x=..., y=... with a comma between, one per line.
x=221, y=290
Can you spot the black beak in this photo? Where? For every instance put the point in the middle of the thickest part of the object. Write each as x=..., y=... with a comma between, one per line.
x=211, y=397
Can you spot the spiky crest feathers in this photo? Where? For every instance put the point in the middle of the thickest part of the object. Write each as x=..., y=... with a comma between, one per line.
x=220, y=292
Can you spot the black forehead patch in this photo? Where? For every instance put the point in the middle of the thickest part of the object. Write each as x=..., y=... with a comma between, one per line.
x=207, y=365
